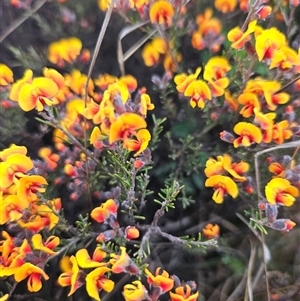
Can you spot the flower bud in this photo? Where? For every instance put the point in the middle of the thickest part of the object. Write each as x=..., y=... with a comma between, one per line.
x=227, y=137
x=271, y=212
x=283, y=225
x=131, y=233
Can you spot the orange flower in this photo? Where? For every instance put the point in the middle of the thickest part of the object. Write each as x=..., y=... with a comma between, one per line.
x=281, y=131
x=76, y=82
x=268, y=42
x=15, y=167
x=150, y=55
x=34, y=283
x=264, y=11
x=280, y=191
x=50, y=158
x=160, y=279
x=47, y=247
x=199, y=92
x=231, y=102
x=129, y=81
x=101, y=214
x=215, y=167
x=183, y=293
x=249, y=134
x=97, y=281
x=29, y=186
x=161, y=12
x=124, y=126
x=37, y=94
x=207, y=25
x=225, y=6
x=143, y=137
x=146, y=104
x=182, y=80
x=123, y=263
x=6, y=75
x=223, y=185
x=238, y=37
x=131, y=232
x=211, y=231
x=250, y=101
x=135, y=291
x=104, y=80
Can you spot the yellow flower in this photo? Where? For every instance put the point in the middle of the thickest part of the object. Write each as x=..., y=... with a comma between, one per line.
x=29, y=186
x=71, y=276
x=182, y=80
x=280, y=191
x=161, y=12
x=250, y=101
x=268, y=42
x=223, y=185
x=96, y=280
x=16, y=87
x=249, y=133
x=11, y=208
x=124, y=126
x=37, y=94
x=6, y=75
x=15, y=167
x=47, y=247
x=199, y=92
x=64, y=51
x=135, y=291
x=84, y=260
x=284, y=58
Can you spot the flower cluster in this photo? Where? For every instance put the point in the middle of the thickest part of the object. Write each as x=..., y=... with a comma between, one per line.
x=223, y=175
